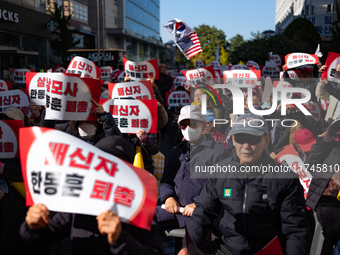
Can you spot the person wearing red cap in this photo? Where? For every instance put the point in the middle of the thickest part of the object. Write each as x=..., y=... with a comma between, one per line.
x=305, y=139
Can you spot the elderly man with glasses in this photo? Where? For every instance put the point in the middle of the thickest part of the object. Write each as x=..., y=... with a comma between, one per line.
x=260, y=199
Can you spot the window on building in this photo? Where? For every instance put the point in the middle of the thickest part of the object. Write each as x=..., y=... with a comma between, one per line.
x=329, y=7
x=116, y=21
x=307, y=9
x=80, y=12
x=312, y=10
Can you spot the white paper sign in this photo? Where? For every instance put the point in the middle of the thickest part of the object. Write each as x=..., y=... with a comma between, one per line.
x=20, y=75
x=84, y=67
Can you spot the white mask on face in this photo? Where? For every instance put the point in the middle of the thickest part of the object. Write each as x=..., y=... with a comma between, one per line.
x=191, y=134
x=86, y=130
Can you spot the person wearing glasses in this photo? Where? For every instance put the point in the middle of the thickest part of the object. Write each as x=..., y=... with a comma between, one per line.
x=258, y=204
x=178, y=188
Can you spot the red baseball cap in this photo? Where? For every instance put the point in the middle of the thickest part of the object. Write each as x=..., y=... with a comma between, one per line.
x=306, y=69
x=304, y=138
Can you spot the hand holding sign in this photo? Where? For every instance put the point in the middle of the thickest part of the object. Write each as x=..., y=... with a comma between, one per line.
x=38, y=216
x=171, y=205
x=110, y=224
x=99, y=109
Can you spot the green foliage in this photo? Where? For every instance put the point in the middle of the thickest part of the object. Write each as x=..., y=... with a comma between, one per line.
x=62, y=39
x=334, y=45
x=303, y=34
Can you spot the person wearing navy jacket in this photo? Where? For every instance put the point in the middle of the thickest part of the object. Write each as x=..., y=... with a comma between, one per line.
x=178, y=187
x=257, y=205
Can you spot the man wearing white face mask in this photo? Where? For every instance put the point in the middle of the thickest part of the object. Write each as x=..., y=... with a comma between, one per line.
x=177, y=187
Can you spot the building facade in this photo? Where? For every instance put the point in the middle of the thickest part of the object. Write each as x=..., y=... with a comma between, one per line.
x=319, y=12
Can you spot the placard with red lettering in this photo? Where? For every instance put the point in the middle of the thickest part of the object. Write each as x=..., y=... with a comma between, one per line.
x=289, y=157
x=69, y=175
x=140, y=71
x=315, y=109
x=271, y=70
x=19, y=75
x=5, y=85
x=275, y=59
x=281, y=85
x=299, y=59
x=216, y=65
x=244, y=78
x=9, y=138
x=59, y=69
x=333, y=64
x=118, y=75
x=219, y=78
x=174, y=74
x=84, y=67
x=200, y=63
x=139, y=90
x=180, y=81
x=253, y=64
x=68, y=97
x=201, y=75
x=293, y=74
x=105, y=72
x=35, y=87
x=239, y=67
x=17, y=98
x=132, y=115
x=177, y=98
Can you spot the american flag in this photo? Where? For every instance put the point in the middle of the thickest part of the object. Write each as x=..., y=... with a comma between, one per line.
x=184, y=36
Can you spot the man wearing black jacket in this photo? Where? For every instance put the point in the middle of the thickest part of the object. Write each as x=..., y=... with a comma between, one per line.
x=258, y=203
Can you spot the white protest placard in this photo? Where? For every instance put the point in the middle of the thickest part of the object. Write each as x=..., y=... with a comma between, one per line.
x=315, y=109
x=271, y=70
x=177, y=98
x=59, y=69
x=200, y=63
x=275, y=59
x=289, y=157
x=36, y=87
x=17, y=98
x=105, y=72
x=174, y=74
x=239, y=67
x=139, y=90
x=140, y=71
x=299, y=59
x=333, y=67
x=181, y=81
x=293, y=74
x=201, y=75
x=9, y=138
x=69, y=97
x=279, y=85
x=84, y=67
x=216, y=65
x=244, y=78
x=69, y=175
x=19, y=75
x=253, y=64
x=5, y=85
x=132, y=115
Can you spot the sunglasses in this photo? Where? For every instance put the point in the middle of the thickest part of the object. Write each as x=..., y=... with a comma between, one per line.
x=249, y=139
x=192, y=124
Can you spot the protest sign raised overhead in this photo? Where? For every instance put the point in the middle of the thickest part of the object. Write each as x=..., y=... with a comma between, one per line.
x=9, y=138
x=69, y=175
x=17, y=98
x=177, y=98
x=138, y=90
x=333, y=67
x=299, y=59
x=201, y=75
x=84, y=67
x=140, y=71
x=59, y=69
x=181, y=81
x=19, y=75
x=200, y=63
x=105, y=72
x=244, y=78
x=5, y=85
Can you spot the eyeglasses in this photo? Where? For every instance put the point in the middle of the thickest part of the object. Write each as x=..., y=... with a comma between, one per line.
x=192, y=124
x=249, y=139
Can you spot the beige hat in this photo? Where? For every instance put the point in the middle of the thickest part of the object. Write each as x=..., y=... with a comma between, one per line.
x=14, y=113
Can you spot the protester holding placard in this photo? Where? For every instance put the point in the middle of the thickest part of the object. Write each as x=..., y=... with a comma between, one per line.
x=177, y=187
x=104, y=234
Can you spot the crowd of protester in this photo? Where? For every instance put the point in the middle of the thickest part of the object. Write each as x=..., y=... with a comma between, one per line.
x=230, y=212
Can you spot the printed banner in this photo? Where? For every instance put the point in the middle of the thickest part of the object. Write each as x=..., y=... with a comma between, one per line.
x=180, y=81
x=200, y=63
x=333, y=64
x=69, y=175
x=17, y=98
x=201, y=75
x=177, y=98
x=289, y=157
x=253, y=64
x=105, y=72
x=271, y=70
x=133, y=115
x=276, y=59
x=59, y=69
x=84, y=67
x=244, y=78
x=139, y=90
x=140, y=71
x=293, y=74
x=118, y=75
x=216, y=65
x=5, y=85
x=299, y=59
x=9, y=138
x=68, y=97
x=20, y=75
